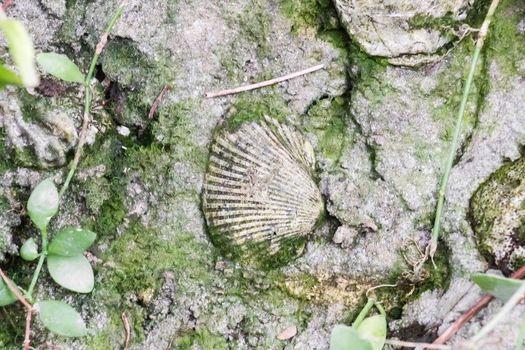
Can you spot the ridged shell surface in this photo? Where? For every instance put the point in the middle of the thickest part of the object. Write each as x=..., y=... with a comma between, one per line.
x=258, y=189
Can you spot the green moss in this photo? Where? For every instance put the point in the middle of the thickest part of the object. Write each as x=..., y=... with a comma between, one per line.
x=254, y=23
x=493, y=201
x=409, y=287
x=444, y=24
x=135, y=274
x=259, y=255
x=253, y=107
x=367, y=68
x=319, y=14
x=326, y=119
x=202, y=339
x=174, y=132
x=450, y=88
x=505, y=42
x=105, y=196
x=140, y=79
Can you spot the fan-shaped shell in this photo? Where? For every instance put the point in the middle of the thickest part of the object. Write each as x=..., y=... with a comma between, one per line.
x=258, y=189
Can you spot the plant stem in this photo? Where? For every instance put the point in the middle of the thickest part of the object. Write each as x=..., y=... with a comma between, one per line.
x=363, y=313
x=409, y=344
x=514, y=299
x=379, y=307
x=457, y=130
x=36, y=274
x=87, y=96
x=521, y=335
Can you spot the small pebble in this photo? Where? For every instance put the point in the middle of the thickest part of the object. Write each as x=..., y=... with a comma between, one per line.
x=288, y=333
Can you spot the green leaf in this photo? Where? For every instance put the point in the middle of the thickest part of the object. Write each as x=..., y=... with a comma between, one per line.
x=71, y=272
x=60, y=66
x=21, y=50
x=347, y=338
x=8, y=77
x=500, y=287
x=60, y=318
x=29, y=250
x=373, y=329
x=71, y=242
x=43, y=203
x=6, y=296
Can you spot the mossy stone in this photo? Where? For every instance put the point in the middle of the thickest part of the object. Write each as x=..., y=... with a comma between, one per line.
x=498, y=217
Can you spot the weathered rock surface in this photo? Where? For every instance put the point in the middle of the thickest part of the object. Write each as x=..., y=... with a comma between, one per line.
x=392, y=28
x=380, y=146
x=45, y=138
x=498, y=216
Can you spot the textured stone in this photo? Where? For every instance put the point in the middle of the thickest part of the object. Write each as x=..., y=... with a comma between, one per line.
x=498, y=216
x=392, y=28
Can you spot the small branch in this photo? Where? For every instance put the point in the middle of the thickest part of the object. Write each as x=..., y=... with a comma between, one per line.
x=127, y=329
x=27, y=335
x=515, y=299
x=432, y=247
x=29, y=308
x=156, y=103
x=264, y=83
x=454, y=327
x=409, y=344
x=15, y=291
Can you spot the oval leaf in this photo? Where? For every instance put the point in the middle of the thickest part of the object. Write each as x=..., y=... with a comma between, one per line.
x=71, y=242
x=500, y=287
x=71, y=272
x=29, y=250
x=43, y=203
x=21, y=50
x=60, y=318
x=8, y=77
x=347, y=338
x=373, y=329
x=60, y=66
x=6, y=296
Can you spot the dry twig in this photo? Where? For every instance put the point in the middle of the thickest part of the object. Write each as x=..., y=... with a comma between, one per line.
x=467, y=315
x=28, y=306
x=127, y=329
x=409, y=344
x=156, y=103
x=264, y=83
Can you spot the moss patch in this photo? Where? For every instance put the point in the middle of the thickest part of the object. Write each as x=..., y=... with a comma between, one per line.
x=496, y=218
x=201, y=338
x=254, y=107
x=326, y=119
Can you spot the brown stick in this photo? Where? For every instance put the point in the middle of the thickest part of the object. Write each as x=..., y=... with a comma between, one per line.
x=28, y=306
x=156, y=103
x=454, y=327
x=264, y=83
x=127, y=329
x=27, y=335
x=15, y=291
x=409, y=344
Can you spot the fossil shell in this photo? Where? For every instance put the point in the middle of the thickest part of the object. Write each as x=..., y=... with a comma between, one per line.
x=258, y=189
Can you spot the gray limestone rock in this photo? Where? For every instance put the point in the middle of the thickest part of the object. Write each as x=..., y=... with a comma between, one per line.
x=391, y=28
x=48, y=135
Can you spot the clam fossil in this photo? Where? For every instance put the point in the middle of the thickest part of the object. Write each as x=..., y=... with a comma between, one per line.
x=258, y=190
